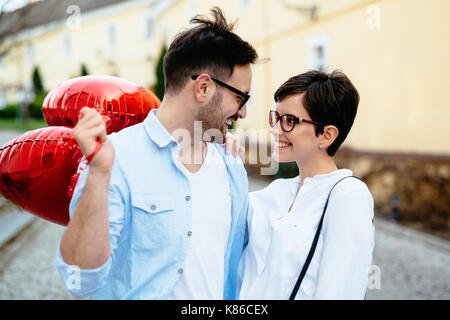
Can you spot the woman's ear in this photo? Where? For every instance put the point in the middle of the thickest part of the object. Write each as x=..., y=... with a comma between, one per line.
x=203, y=88
x=328, y=136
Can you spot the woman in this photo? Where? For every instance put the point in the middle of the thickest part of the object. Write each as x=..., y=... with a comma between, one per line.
x=314, y=113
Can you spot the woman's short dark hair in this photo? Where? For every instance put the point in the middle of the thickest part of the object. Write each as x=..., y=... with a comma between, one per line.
x=211, y=46
x=330, y=98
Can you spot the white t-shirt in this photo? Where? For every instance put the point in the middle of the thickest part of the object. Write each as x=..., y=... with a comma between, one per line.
x=203, y=275
x=279, y=241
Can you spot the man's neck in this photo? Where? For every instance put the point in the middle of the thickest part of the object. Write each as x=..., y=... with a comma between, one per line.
x=181, y=127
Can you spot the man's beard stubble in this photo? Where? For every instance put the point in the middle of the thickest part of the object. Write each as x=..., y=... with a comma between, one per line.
x=211, y=117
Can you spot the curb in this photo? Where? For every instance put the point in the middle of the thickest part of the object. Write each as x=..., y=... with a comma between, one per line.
x=405, y=232
x=12, y=223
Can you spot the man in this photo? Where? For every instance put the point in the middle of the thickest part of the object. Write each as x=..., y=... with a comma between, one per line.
x=147, y=221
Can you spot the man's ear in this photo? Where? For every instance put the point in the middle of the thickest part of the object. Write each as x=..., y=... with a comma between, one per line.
x=329, y=135
x=203, y=88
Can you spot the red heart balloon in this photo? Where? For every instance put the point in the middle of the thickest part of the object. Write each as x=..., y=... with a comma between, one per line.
x=36, y=170
x=124, y=102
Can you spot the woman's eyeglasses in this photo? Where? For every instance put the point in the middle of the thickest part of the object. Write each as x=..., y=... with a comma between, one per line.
x=244, y=96
x=288, y=121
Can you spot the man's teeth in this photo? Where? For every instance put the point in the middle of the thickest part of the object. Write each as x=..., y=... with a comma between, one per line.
x=283, y=144
x=229, y=122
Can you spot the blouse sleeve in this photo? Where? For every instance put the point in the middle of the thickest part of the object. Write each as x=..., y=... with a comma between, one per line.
x=348, y=235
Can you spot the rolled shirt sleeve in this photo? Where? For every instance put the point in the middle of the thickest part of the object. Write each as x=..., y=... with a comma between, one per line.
x=84, y=282
x=348, y=233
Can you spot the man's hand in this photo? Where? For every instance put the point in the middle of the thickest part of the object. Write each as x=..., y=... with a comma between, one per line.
x=85, y=242
x=90, y=126
x=232, y=145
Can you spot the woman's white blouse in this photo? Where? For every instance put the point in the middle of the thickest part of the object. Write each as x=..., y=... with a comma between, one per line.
x=279, y=241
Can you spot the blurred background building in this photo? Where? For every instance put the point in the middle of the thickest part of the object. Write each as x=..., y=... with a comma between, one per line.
x=395, y=52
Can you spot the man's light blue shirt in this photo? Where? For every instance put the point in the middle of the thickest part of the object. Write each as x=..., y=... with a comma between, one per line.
x=150, y=216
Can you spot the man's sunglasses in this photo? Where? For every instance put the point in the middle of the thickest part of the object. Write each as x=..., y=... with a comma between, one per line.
x=243, y=95
x=288, y=121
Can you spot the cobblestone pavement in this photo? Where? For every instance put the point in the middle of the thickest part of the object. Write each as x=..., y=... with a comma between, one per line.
x=411, y=265
x=28, y=267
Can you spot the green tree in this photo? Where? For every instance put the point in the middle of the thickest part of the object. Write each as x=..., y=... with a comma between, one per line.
x=159, y=86
x=37, y=81
x=84, y=70
x=35, y=108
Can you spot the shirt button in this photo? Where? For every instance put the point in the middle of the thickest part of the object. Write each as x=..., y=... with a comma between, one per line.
x=180, y=270
x=189, y=233
x=153, y=207
x=188, y=198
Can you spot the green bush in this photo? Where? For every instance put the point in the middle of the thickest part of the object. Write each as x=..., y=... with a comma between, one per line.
x=287, y=170
x=37, y=81
x=9, y=112
x=35, y=111
x=84, y=70
x=36, y=106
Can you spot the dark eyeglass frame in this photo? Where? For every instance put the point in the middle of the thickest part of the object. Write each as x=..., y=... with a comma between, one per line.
x=297, y=120
x=245, y=96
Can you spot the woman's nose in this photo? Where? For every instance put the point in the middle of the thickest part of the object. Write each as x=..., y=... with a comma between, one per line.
x=276, y=130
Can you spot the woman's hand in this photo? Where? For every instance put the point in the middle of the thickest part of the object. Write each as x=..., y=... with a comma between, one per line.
x=232, y=145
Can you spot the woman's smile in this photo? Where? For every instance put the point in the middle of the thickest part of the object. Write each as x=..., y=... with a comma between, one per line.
x=282, y=145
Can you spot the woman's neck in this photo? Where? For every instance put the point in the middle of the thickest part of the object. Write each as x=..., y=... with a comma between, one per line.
x=314, y=167
x=323, y=165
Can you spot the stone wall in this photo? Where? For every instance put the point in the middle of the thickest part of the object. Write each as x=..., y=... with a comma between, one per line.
x=413, y=189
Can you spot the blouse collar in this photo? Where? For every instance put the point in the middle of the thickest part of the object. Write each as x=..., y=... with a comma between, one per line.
x=325, y=176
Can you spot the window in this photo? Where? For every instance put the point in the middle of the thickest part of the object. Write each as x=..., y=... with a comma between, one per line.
x=111, y=35
x=2, y=98
x=148, y=28
x=30, y=53
x=166, y=33
x=67, y=45
x=318, y=53
x=243, y=5
x=192, y=8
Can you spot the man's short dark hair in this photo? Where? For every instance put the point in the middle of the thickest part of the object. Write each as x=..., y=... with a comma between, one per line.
x=211, y=46
x=330, y=98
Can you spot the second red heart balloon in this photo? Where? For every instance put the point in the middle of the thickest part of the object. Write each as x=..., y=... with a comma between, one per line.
x=124, y=102
x=38, y=168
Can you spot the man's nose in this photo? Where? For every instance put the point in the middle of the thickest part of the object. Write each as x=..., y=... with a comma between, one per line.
x=242, y=113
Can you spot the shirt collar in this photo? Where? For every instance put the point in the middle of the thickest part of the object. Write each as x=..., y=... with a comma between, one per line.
x=156, y=131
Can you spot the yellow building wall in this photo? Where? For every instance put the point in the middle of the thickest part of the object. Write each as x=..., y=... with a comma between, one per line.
x=399, y=69
x=132, y=58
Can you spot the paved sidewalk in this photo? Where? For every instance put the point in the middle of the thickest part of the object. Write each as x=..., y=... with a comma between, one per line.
x=13, y=222
x=412, y=265
x=28, y=267
x=7, y=135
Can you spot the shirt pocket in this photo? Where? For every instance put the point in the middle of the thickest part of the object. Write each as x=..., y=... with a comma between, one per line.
x=149, y=203
x=152, y=217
